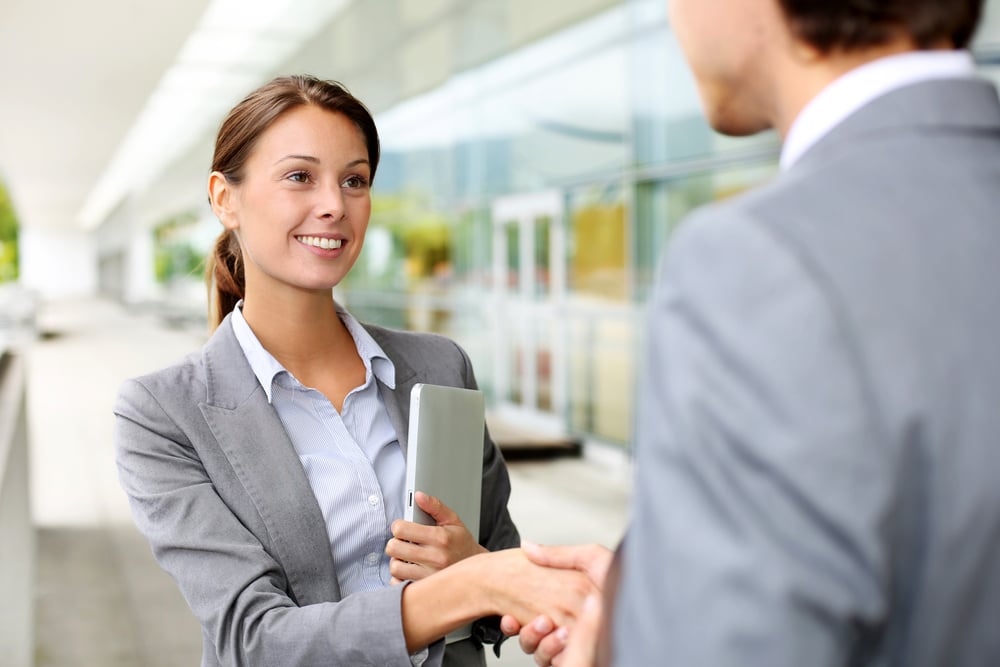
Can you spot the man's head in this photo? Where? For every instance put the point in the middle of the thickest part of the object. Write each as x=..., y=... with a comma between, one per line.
x=758, y=61
x=849, y=25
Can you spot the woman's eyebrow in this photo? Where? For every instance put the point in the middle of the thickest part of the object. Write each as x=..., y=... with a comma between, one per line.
x=294, y=156
x=315, y=160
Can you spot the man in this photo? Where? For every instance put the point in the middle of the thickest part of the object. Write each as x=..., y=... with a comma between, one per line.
x=818, y=437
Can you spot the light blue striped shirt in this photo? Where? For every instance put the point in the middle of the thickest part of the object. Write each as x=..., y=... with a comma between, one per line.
x=352, y=459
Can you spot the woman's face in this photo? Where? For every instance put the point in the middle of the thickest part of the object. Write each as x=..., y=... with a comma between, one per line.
x=302, y=209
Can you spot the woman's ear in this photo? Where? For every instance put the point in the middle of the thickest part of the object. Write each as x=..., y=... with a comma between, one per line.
x=220, y=195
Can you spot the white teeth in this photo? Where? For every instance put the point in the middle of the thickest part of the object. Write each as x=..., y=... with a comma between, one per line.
x=319, y=242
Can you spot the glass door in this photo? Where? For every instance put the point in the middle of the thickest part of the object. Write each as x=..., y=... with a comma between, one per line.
x=529, y=287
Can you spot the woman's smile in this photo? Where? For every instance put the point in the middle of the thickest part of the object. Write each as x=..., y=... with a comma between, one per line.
x=321, y=242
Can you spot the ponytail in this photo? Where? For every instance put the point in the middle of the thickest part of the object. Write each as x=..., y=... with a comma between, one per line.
x=224, y=278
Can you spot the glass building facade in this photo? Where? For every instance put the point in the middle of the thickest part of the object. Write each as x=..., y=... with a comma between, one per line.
x=536, y=156
x=521, y=205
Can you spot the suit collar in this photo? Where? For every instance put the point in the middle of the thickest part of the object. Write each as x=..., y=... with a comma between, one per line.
x=860, y=86
x=396, y=399
x=963, y=105
x=228, y=377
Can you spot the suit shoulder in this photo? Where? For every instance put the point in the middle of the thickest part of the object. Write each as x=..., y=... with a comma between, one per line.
x=185, y=377
x=413, y=341
x=718, y=225
x=433, y=358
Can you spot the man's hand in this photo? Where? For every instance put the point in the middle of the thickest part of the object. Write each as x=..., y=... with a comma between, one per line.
x=581, y=650
x=541, y=637
x=591, y=559
x=418, y=551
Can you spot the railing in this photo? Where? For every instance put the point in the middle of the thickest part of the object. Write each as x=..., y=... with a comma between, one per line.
x=17, y=538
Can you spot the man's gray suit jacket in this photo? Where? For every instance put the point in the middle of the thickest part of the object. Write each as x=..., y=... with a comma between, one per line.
x=218, y=490
x=818, y=439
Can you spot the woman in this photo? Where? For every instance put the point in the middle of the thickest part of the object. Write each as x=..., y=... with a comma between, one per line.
x=267, y=469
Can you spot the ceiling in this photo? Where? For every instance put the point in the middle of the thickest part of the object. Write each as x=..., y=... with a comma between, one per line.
x=80, y=78
x=75, y=76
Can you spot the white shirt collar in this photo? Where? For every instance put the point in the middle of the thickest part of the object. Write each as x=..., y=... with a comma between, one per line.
x=266, y=367
x=863, y=84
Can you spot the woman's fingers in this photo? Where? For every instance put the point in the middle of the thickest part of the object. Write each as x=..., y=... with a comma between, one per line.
x=581, y=647
x=407, y=571
x=434, y=547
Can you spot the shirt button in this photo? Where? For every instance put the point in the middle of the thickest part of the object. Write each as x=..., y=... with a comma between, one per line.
x=372, y=558
x=373, y=500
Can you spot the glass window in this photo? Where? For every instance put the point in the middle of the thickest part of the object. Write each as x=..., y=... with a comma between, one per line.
x=601, y=356
x=597, y=244
x=662, y=205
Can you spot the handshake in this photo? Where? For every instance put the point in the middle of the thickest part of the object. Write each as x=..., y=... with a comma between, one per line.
x=572, y=640
x=551, y=596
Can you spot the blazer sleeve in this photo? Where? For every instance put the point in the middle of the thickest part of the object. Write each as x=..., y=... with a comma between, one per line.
x=235, y=588
x=762, y=486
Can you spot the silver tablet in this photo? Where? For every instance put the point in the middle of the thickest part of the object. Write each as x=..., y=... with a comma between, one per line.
x=444, y=451
x=444, y=457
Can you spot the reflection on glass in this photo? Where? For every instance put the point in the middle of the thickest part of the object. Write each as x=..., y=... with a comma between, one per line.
x=597, y=238
x=661, y=205
x=601, y=368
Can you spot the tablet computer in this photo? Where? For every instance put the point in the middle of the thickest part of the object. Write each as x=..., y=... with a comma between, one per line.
x=444, y=451
x=444, y=457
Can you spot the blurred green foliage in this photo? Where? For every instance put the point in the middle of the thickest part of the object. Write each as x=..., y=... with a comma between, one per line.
x=175, y=254
x=8, y=237
x=419, y=244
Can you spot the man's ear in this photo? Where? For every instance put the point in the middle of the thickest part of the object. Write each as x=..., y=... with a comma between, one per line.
x=220, y=196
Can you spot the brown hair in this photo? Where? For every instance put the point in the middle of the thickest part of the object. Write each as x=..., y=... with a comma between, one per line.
x=848, y=25
x=238, y=135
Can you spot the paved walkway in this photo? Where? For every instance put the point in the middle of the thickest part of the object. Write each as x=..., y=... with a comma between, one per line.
x=101, y=600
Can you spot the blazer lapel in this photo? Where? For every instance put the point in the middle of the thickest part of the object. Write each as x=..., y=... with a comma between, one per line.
x=250, y=434
x=397, y=401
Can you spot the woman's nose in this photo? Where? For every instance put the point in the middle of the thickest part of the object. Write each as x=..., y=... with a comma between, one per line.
x=331, y=204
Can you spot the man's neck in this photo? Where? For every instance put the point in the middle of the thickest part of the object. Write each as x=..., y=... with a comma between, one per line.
x=809, y=72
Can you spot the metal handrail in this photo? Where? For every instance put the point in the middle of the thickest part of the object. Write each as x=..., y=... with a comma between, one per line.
x=17, y=537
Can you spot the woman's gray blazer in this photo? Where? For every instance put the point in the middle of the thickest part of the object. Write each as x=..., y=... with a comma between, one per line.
x=218, y=490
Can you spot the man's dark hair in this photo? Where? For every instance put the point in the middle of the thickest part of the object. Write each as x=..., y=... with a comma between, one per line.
x=849, y=25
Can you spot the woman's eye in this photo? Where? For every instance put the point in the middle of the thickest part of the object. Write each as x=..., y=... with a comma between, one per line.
x=355, y=182
x=299, y=177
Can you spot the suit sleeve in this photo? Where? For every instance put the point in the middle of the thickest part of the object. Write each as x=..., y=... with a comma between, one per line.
x=762, y=485
x=233, y=585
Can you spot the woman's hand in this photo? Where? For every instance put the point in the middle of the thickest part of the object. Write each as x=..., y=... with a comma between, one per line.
x=418, y=551
x=542, y=638
x=521, y=590
x=498, y=583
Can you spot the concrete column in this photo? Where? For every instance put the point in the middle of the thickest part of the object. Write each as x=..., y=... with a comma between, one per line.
x=140, y=274
x=58, y=263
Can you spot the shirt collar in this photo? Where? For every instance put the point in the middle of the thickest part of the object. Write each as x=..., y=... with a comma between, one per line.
x=863, y=84
x=375, y=358
x=266, y=367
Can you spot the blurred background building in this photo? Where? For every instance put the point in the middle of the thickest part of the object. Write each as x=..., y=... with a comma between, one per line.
x=536, y=155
